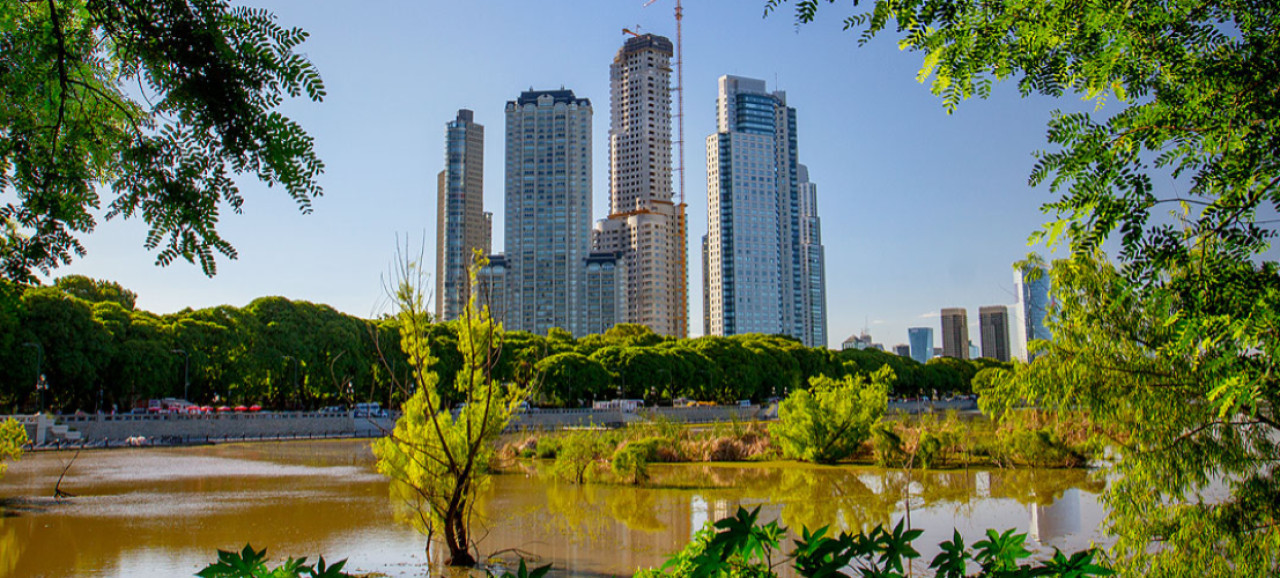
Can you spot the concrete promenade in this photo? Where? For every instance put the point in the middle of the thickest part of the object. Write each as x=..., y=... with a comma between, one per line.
x=104, y=430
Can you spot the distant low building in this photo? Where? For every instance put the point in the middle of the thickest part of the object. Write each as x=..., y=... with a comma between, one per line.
x=902, y=349
x=860, y=341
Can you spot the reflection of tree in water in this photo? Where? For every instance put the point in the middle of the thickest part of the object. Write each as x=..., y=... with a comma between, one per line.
x=1041, y=487
x=574, y=511
x=939, y=488
x=635, y=507
x=10, y=547
x=704, y=476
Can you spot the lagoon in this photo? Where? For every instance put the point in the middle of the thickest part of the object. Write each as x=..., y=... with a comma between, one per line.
x=163, y=512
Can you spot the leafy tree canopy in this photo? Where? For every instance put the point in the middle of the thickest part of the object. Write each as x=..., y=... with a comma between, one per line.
x=1173, y=346
x=211, y=79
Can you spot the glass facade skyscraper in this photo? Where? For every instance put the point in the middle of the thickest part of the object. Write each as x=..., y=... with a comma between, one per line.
x=1031, y=288
x=921, y=341
x=462, y=226
x=764, y=257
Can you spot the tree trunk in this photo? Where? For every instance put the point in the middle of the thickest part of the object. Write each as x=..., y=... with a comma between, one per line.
x=455, y=538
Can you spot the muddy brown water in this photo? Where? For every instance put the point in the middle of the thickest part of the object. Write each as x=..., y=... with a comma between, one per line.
x=163, y=512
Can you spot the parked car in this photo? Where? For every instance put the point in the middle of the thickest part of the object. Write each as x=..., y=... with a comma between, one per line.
x=370, y=409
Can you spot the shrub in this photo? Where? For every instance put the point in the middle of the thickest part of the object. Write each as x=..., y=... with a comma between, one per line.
x=887, y=445
x=547, y=448
x=631, y=462
x=578, y=453
x=829, y=422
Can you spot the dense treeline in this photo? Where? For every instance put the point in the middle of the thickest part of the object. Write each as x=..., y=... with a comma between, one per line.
x=98, y=351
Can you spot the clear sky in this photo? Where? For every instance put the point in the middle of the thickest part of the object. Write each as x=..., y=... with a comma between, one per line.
x=920, y=210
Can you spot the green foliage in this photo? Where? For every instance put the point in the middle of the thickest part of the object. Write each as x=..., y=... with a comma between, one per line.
x=570, y=379
x=250, y=563
x=1160, y=394
x=578, y=455
x=690, y=560
x=438, y=460
x=631, y=461
x=548, y=448
x=214, y=77
x=103, y=344
x=13, y=435
x=1041, y=448
x=829, y=422
x=1175, y=346
x=95, y=291
x=741, y=546
x=887, y=445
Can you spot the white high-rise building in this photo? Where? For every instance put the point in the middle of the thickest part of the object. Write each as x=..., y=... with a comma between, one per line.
x=764, y=248
x=548, y=211
x=645, y=227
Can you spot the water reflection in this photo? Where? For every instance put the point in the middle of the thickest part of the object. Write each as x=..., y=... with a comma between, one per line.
x=163, y=512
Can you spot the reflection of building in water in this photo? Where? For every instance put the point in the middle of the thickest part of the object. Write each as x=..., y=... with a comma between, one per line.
x=1060, y=519
x=982, y=484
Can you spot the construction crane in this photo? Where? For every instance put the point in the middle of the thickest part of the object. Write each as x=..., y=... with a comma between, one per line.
x=679, y=90
x=682, y=288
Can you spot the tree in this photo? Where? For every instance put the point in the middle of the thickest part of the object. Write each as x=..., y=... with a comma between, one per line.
x=570, y=379
x=1174, y=345
x=438, y=460
x=13, y=435
x=211, y=78
x=579, y=452
x=829, y=421
x=1117, y=355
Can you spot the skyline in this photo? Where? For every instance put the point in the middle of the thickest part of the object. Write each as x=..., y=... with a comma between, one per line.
x=908, y=193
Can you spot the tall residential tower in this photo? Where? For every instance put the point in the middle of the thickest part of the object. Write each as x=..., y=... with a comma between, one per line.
x=548, y=211
x=462, y=226
x=645, y=227
x=994, y=323
x=955, y=333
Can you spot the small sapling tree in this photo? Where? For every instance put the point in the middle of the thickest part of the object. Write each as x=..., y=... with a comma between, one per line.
x=438, y=459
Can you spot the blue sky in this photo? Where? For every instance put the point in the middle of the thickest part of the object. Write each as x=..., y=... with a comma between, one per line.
x=921, y=210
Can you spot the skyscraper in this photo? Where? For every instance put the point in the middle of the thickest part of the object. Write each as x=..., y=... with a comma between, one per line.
x=921, y=340
x=993, y=322
x=813, y=263
x=645, y=226
x=1031, y=288
x=548, y=211
x=955, y=333
x=462, y=225
x=764, y=248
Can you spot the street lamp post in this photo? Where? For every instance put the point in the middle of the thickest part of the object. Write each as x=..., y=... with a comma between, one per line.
x=40, y=383
x=186, y=372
